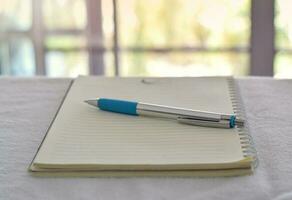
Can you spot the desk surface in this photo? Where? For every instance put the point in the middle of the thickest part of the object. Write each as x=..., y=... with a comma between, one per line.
x=28, y=106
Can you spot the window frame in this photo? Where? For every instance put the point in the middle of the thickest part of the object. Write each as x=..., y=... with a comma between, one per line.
x=262, y=41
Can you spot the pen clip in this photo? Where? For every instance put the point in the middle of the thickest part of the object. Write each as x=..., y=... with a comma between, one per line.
x=204, y=122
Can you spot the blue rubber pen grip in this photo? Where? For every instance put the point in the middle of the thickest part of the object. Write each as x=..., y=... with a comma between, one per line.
x=118, y=106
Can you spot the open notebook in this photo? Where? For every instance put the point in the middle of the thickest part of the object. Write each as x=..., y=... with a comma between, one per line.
x=83, y=140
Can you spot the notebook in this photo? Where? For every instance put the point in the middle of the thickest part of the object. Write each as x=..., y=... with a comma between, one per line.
x=85, y=141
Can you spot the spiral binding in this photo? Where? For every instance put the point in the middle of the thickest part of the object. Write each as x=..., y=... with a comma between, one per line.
x=247, y=144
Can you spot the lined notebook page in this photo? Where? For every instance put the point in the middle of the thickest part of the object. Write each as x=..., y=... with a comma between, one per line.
x=84, y=135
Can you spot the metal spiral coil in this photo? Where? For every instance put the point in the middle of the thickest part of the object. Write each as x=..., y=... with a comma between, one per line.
x=246, y=141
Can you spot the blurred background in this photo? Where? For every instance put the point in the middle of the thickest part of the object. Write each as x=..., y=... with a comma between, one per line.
x=64, y=38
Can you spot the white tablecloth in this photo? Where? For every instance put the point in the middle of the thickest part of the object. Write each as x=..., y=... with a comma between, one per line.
x=27, y=107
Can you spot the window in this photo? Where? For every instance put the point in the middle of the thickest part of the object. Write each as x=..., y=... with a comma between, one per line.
x=16, y=47
x=283, y=23
x=184, y=37
x=145, y=38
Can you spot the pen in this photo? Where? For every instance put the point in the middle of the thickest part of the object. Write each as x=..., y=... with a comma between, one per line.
x=182, y=115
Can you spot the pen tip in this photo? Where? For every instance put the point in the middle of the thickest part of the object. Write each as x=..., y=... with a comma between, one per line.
x=91, y=102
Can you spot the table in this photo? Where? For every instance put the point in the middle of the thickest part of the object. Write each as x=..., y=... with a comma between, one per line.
x=27, y=106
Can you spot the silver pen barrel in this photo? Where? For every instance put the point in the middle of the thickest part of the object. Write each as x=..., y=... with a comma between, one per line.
x=174, y=112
